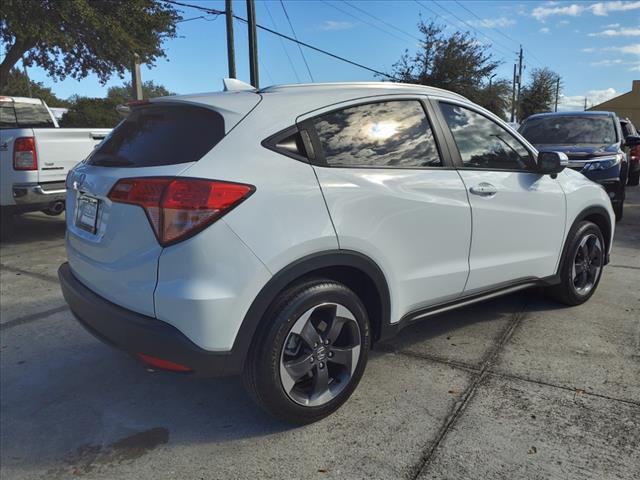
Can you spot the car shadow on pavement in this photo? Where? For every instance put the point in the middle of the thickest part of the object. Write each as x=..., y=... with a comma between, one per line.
x=33, y=227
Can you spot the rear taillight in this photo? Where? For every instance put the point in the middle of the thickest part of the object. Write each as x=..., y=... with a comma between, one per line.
x=24, y=154
x=178, y=208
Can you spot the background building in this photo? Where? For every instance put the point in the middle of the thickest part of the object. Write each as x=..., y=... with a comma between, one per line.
x=626, y=105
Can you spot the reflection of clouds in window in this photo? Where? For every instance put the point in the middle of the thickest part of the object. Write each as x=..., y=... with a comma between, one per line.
x=483, y=143
x=378, y=134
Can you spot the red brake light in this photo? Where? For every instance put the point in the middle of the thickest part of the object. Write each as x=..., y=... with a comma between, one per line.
x=178, y=208
x=24, y=154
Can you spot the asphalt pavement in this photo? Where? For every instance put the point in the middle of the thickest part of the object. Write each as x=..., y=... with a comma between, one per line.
x=516, y=388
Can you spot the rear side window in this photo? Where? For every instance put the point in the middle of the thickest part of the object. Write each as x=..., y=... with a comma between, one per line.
x=24, y=115
x=386, y=134
x=483, y=143
x=160, y=135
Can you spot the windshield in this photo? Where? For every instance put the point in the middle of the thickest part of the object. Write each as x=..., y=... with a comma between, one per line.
x=569, y=130
x=24, y=115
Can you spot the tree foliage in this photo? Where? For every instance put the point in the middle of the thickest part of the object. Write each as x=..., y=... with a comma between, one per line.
x=101, y=112
x=149, y=90
x=539, y=94
x=19, y=85
x=77, y=37
x=456, y=62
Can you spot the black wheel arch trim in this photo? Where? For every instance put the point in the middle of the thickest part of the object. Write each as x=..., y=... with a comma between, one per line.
x=299, y=269
x=583, y=215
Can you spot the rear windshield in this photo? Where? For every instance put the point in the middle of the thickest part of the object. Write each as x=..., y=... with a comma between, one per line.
x=24, y=115
x=569, y=130
x=160, y=135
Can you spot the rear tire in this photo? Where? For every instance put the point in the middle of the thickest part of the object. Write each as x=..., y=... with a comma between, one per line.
x=582, y=265
x=310, y=352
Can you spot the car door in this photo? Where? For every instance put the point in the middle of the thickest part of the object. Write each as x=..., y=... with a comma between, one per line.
x=394, y=196
x=518, y=214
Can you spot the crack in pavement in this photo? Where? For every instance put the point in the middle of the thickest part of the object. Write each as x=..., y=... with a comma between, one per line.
x=40, y=276
x=31, y=318
x=480, y=374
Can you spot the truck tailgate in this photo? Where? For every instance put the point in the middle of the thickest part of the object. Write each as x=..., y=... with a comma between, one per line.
x=59, y=149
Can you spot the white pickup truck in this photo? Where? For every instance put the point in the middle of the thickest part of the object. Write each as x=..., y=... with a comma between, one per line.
x=35, y=156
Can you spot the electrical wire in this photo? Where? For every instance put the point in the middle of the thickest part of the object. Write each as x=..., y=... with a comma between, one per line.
x=286, y=37
x=273, y=22
x=296, y=37
x=377, y=27
x=383, y=21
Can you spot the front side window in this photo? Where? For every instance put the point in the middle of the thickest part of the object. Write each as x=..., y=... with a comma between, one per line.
x=386, y=134
x=483, y=143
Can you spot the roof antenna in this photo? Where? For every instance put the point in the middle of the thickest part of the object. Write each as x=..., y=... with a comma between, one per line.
x=235, y=85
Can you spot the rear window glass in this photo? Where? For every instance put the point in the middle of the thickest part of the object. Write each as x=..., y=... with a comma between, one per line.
x=24, y=115
x=160, y=135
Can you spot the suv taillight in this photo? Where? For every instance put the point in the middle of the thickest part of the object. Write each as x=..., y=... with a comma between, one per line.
x=24, y=154
x=178, y=208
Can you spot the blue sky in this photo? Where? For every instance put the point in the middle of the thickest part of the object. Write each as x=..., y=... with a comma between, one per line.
x=594, y=46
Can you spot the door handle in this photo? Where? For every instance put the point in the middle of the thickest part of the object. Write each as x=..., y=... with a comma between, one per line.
x=484, y=189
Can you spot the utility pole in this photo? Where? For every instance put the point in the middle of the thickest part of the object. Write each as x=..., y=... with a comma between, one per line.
x=231, y=51
x=136, y=81
x=519, y=81
x=513, y=95
x=557, y=93
x=253, y=43
x=585, y=104
x=26, y=74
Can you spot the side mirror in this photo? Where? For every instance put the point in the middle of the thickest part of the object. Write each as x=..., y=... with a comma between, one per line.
x=632, y=141
x=552, y=163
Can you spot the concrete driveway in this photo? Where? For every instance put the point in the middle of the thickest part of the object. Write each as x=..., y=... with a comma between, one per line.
x=516, y=388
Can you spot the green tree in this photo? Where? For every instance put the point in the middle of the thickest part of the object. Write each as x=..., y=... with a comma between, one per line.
x=76, y=37
x=539, y=94
x=149, y=90
x=456, y=62
x=495, y=97
x=19, y=85
x=91, y=113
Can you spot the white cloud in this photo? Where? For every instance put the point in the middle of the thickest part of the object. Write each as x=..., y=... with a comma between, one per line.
x=612, y=25
x=633, y=49
x=594, y=97
x=492, y=22
x=562, y=23
x=544, y=30
x=618, y=32
x=601, y=9
x=606, y=63
x=635, y=69
x=331, y=25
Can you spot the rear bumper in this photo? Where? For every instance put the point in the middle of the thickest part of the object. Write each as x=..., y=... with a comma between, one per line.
x=139, y=334
x=27, y=194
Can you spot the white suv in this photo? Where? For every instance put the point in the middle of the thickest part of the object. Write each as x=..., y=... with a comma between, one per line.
x=279, y=233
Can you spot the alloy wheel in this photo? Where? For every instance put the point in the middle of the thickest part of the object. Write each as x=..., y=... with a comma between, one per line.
x=320, y=354
x=587, y=264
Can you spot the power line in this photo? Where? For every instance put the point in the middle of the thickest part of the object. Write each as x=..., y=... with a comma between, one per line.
x=496, y=46
x=286, y=37
x=473, y=28
x=377, y=27
x=384, y=22
x=273, y=22
x=501, y=32
x=296, y=37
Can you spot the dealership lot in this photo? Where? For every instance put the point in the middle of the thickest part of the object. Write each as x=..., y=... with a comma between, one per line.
x=518, y=388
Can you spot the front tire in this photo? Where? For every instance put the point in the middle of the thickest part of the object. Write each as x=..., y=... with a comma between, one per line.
x=582, y=266
x=310, y=352
x=634, y=178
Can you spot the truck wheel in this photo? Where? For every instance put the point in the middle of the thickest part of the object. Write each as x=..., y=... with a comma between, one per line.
x=634, y=178
x=582, y=265
x=311, y=353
